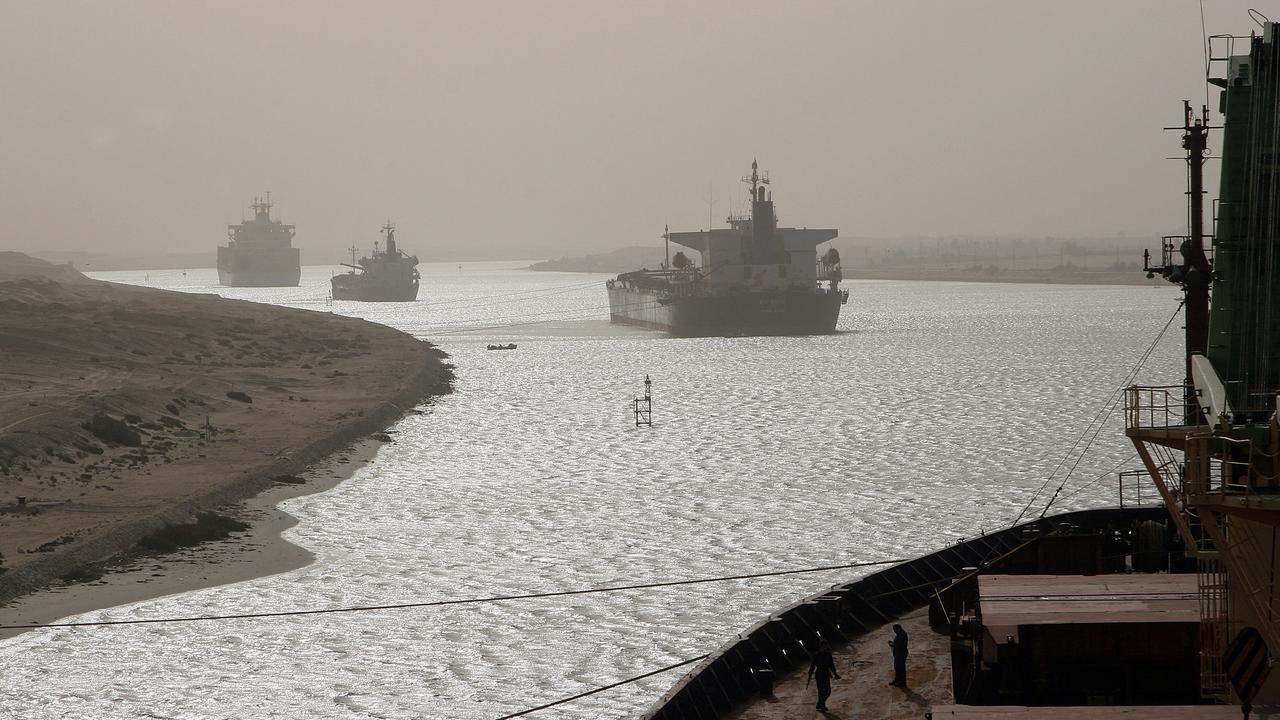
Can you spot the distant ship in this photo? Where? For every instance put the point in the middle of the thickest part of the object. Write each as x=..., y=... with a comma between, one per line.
x=259, y=252
x=756, y=279
x=389, y=276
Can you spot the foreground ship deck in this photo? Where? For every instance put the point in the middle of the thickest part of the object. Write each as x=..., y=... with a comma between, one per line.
x=865, y=668
x=862, y=692
x=931, y=593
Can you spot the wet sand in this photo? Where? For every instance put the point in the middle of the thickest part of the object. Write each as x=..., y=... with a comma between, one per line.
x=257, y=552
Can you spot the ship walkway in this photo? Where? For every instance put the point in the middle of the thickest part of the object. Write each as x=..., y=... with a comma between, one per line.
x=863, y=690
x=1099, y=712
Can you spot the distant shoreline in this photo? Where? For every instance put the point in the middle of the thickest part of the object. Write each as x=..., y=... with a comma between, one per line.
x=260, y=551
x=1041, y=277
x=1034, y=277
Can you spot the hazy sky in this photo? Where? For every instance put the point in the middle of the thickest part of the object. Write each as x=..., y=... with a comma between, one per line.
x=527, y=129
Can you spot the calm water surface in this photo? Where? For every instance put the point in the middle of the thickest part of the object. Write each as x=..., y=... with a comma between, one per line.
x=935, y=413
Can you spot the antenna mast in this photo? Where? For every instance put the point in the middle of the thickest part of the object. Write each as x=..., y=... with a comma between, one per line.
x=1196, y=280
x=756, y=179
x=666, y=237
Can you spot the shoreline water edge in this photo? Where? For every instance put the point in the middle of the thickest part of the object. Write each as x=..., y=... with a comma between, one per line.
x=78, y=505
x=261, y=550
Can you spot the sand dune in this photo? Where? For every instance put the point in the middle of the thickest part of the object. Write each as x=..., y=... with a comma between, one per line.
x=123, y=409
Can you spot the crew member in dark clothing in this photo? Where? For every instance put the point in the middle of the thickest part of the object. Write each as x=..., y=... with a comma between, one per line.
x=899, y=645
x=823, y=668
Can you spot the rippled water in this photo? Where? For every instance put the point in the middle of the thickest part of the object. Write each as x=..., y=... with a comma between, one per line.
x=936, y=412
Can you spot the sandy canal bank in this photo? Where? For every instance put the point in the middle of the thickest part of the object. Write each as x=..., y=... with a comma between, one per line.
x=257, y=552
x=124, y=409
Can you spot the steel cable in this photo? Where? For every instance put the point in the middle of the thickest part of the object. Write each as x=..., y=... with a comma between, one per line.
x=1104, y=411
x=562, y=701
x=440, y=603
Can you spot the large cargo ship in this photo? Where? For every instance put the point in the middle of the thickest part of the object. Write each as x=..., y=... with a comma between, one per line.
x=259, y=252
x=755, y=278
x=386, y=276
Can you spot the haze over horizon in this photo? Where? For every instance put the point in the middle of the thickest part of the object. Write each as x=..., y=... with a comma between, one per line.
x=525, y=130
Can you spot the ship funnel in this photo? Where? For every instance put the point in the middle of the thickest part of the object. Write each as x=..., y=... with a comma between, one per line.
x=766, y=243
x=389, y=231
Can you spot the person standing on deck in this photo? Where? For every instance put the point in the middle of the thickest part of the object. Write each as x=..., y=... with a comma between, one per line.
x=899, y=645
x=823, y=667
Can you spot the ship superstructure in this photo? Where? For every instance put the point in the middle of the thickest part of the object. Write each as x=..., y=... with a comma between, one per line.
x=1211, y=443
x=259, y=252
x=754, y=278
x=388, y=275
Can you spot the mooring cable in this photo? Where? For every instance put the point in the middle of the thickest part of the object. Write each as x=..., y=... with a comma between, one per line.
x=1104, y=412
x=562, y=701
x=440, y=603
x=1119, y=394
x=1100, y=477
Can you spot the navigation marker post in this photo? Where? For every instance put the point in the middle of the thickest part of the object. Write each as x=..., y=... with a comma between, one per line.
x=643, y=407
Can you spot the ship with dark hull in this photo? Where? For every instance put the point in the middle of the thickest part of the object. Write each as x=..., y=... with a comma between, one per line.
x=259, y=252
x=388, y=275
x=755, y=278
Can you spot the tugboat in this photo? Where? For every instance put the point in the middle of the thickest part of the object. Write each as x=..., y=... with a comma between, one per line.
x=386, y=276
x=259, y=252
x=756, y=279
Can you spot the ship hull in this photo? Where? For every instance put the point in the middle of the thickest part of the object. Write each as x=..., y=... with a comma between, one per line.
x=346, y=289
x=275, y=268
x=763, y=313
x=259, y=278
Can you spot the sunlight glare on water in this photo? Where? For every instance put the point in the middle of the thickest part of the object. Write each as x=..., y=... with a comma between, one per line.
x=934, y=414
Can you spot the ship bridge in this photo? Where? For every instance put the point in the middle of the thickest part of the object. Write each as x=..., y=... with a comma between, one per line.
x=726, y=254
x=754, y=252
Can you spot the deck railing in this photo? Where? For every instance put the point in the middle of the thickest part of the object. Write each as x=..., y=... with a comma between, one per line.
x=1154, y=407
x=1129, y=486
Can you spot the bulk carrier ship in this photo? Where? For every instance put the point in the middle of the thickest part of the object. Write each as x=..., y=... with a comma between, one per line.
x=259, y=252
x=755, y=279
x=1168, y=611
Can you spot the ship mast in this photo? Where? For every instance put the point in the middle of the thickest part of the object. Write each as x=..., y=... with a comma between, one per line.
x=1195, y=133
x=666, y=240
x=1191, y=269
x=262, y=208
x=389, y=231
x=756, y=179
x=764, y=246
